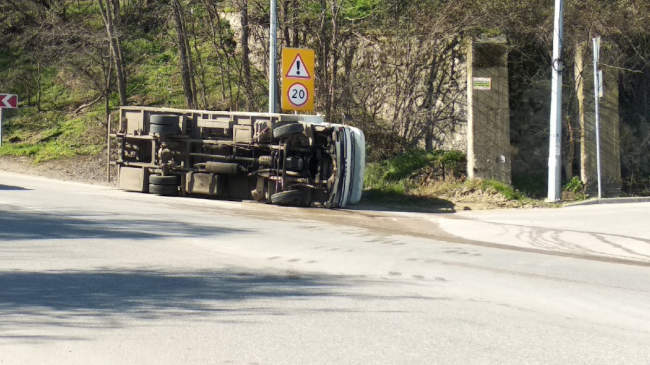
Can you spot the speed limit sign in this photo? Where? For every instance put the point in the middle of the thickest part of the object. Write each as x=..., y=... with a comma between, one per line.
x=298, y=79
x=298, y=94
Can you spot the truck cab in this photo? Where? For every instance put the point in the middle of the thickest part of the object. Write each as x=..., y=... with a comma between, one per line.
x=284, y=159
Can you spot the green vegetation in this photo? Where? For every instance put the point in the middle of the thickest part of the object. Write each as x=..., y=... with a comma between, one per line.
x=575, y=189
x=406, y=164
x=434, y=178
x=388, y=67
x=506, y=190
x=575, y=185
x=53, y=83
x=61, y=138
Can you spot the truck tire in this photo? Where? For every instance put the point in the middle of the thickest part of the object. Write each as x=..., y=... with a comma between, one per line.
x=167, y=190
x=163, y=129
x=163, y=180
x=287, y=130
x=163, y=125
x=163, y=119
x=296, y=198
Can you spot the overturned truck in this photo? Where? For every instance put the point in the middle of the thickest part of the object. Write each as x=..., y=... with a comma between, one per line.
x=283, y=159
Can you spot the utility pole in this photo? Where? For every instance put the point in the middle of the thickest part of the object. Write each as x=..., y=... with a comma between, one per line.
x=272, y=56
x=555, y=134
x=597, y=94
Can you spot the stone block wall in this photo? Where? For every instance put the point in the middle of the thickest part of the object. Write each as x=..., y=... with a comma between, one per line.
x=488, y=111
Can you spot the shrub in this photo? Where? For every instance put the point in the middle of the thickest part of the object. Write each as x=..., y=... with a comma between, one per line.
x=575, y=185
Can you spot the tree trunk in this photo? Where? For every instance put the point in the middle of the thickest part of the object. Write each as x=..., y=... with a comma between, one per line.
x=580, y=96
x=190, y=66
x=570, y=154
x=245, y=54
x=323, y=41
x=228, y=55
x=212, y=14
x=331, y=103
x=38, y=87
x=201, y=73
x=285, y=23
x=429, y=103
x=348, y=64
x=294, y=23
x=116, y=11
x=181, y=43
x=107, y=10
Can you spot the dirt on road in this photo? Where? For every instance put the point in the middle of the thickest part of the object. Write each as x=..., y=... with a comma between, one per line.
x=92, y=170
x=86, y=169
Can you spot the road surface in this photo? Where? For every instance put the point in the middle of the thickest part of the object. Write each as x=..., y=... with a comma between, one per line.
x=89, y=274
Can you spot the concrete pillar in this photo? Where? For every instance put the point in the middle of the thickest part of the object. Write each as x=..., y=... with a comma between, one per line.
x=488, y=112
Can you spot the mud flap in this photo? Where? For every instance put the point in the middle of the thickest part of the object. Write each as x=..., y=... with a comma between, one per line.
x=133, y=179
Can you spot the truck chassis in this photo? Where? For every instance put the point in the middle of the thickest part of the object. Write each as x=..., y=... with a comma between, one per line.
x=283, y=159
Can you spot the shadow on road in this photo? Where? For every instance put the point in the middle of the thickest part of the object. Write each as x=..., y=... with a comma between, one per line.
x=142, y=293
x=36, y=306
x=10, y=187
x=16, y=226
x=395, y=202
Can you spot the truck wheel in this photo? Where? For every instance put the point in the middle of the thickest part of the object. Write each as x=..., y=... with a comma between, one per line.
x=167, y=190
x=163, y=129
x=163, y=180
x=297, y=198
x=163, y=125
x=287, y=130
x=163, y=119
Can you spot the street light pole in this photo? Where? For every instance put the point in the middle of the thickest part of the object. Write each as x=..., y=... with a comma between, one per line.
x=272, y=56
x=555, y=133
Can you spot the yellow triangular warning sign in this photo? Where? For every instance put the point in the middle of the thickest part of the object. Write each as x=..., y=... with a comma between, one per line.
x=298, y=69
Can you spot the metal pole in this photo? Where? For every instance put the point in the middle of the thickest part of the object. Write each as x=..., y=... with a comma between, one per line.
x=272, y=56
x=597, y=83
x=555, y=133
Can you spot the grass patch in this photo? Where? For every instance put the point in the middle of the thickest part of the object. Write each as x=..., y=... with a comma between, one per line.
x=54, y=137
x=418, y=177
x=391, y=173
x=506, y=190
x=575, y=189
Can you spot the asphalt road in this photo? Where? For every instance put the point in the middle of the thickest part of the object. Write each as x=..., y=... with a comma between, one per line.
x=91, y=275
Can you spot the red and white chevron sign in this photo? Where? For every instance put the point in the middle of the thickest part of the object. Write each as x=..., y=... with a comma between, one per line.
x=8, y=101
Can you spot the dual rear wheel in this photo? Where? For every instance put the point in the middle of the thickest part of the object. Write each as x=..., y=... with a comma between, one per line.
x=163, y=185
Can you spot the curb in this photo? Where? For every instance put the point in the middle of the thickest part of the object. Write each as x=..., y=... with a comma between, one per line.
x=636, y=199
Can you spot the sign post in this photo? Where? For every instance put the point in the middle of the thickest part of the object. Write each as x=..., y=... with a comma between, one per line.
x=9, y=101
x=598, y=92
x=298, y=79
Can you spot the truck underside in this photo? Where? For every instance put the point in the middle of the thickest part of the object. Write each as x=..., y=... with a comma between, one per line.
x=275, y=158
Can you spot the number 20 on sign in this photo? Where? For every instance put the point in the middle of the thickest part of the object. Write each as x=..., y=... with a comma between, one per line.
x=298, y=79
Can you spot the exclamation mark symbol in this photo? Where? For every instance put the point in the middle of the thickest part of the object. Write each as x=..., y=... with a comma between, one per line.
x=298, y=67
